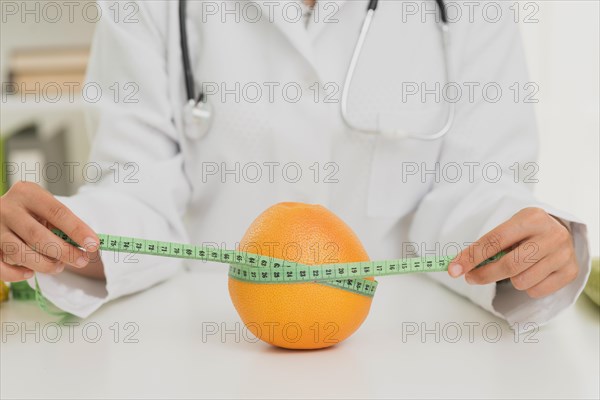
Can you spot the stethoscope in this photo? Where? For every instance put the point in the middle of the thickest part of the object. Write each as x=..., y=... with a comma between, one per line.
x=199, y=112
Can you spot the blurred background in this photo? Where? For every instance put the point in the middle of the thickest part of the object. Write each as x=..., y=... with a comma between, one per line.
x=563, y=51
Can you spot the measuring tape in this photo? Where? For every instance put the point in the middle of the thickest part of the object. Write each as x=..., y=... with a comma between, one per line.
x=22, y=291
x=250, y=267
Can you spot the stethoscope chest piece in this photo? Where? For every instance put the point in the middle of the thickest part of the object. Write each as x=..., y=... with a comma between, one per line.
x=197, y=118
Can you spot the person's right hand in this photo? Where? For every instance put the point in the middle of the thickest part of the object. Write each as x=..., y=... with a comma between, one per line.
x=27, y=213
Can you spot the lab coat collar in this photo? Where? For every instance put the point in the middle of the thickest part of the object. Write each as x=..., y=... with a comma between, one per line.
x=329, y=11
x=295, y=31
x=299, y=36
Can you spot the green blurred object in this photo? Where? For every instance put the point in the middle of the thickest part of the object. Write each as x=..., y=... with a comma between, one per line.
x=22, y=291
x=592, y=288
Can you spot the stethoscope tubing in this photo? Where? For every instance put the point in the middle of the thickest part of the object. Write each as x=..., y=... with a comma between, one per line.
x=206, y=112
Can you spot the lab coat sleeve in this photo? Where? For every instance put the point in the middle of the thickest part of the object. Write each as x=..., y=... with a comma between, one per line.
x=135, y=181
x=495, y=144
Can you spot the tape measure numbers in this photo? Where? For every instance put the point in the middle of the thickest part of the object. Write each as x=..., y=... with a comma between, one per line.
x=255, y=268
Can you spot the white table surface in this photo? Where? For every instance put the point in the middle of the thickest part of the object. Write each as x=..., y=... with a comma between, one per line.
x=171, y=359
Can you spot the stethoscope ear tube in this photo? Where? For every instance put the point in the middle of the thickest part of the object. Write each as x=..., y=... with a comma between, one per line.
x=185, y=51
x=197, y=114
x=395, y=133
x=372, y=5
x=443, y=15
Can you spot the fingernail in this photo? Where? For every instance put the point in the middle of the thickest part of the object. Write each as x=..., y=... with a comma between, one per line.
x=81, y=262
x=455, y=270
x=60, y=268
x=90, y=243
x=469, y=280
x=28, y=274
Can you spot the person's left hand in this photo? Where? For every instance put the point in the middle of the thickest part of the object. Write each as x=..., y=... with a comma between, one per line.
x=540, y=255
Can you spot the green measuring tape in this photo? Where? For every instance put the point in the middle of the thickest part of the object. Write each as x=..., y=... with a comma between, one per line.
x=22, y=291
x=250, y=267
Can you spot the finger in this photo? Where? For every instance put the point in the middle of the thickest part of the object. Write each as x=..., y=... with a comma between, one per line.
x=38, y=237
x=502, y=237
x=44, y=205
x=14, y=273
x=540, y=271
x=555, y=281
x=521, y=258
x=15, y=252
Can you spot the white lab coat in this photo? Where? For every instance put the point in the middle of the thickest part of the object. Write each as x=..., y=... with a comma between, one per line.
x=385, y=210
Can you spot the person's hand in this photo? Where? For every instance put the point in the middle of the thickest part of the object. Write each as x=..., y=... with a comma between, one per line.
x=540, y=258
x=26, y=243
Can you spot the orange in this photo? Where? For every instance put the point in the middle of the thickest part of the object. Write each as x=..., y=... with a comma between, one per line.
x=300, y=315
